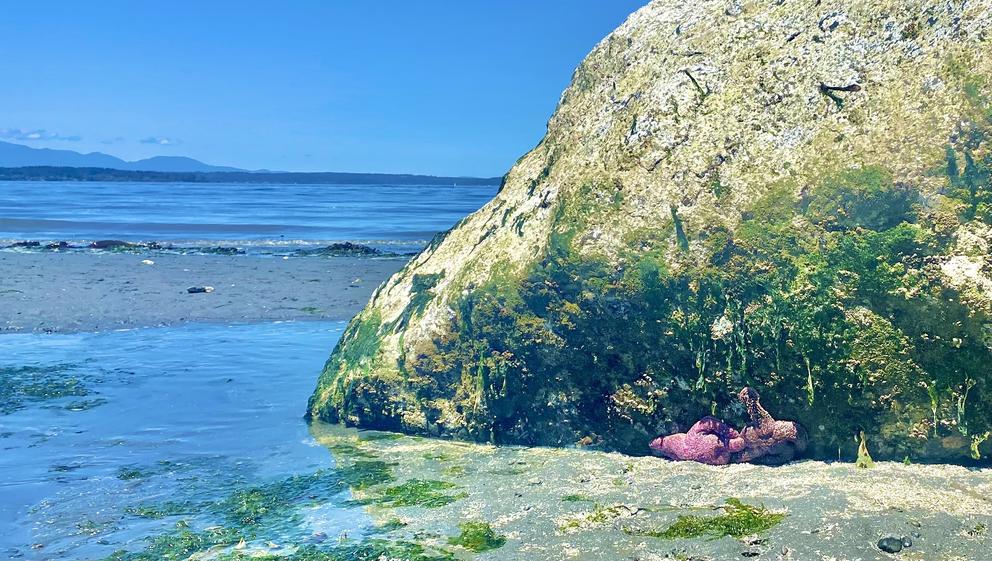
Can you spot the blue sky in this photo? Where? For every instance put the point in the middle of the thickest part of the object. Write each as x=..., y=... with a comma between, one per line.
x=441, y=87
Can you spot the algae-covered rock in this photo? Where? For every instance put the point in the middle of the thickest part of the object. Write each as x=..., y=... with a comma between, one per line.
x=787, y=195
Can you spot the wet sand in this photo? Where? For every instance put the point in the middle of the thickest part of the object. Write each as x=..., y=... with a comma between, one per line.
x=593, y=506
x=71, y=292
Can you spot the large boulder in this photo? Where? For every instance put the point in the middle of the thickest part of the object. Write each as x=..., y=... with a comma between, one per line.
x=789, y=195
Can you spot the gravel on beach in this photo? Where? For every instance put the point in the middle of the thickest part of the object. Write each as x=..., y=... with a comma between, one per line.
x=71, y=292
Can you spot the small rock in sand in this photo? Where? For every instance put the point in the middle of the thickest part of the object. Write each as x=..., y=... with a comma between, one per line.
x=890, y=544
x=199, y=289
x=147, y=262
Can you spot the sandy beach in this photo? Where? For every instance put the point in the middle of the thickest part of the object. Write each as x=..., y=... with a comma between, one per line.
x=70, y=292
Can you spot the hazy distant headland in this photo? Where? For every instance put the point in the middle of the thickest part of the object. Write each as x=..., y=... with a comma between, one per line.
x=25, y=163
x=53, y=173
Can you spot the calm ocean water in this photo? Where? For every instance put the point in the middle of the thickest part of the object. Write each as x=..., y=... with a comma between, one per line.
x=192, y=420
x=394, y=217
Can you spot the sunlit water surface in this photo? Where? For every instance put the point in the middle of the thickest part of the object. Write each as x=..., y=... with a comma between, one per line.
x=198, y=410
x=255, y=218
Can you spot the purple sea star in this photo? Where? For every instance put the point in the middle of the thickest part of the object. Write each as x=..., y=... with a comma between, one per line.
x=709, y=441
x=766, y=440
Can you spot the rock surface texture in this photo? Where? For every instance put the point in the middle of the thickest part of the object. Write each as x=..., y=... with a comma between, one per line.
x=788, y=195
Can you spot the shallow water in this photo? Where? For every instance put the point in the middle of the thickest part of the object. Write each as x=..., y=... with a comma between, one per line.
x=196, y=410
x=392, y=217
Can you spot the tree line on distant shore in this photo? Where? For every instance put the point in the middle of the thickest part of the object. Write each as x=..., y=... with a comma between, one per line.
x=51, y=173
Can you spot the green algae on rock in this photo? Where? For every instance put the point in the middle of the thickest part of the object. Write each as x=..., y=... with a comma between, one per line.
x=737, y=521
x=426, y=493
x=180, y=544
x=165, y=509
x=20, y=386
x=477, y=536
x=279, y=502
x=576, y=498
x=183, y=544
x=128, y=473
x=793, y=197
x=371, y=550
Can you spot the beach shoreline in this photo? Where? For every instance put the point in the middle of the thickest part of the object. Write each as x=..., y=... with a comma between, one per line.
x=54, y=292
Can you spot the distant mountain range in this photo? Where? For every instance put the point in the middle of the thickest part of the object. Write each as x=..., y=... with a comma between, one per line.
x=18, y=155
x=24, y=163
x=48, y=173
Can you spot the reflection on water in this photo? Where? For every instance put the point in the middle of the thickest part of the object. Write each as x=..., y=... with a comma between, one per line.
x=109, y=424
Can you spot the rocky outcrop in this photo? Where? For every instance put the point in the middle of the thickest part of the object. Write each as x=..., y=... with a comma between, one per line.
x=788, y=195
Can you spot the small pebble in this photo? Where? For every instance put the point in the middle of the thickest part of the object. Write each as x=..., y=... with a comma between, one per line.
x=906, y=542
x=147, y=262
x=890, y=544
